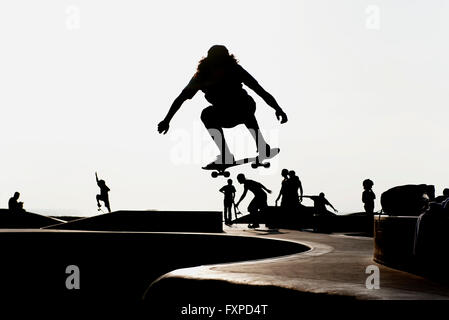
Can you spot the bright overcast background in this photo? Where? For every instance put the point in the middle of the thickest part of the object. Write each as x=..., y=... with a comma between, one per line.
x=83, y=85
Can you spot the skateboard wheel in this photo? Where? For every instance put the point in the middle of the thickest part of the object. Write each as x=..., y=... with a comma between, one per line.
x=214, y=174
x=266, y=165
x=226, y=174
x=254, y=165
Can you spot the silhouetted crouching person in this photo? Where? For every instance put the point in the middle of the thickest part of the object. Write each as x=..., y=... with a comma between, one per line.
x=103, y=196
x=220, y=77
x=229, y=195
x=320, y=212
x=368, y=196
x=14, y=205
x=259, y=203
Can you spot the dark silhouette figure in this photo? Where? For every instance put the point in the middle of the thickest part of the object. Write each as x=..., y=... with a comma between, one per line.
x=368, y=196
x=103, y=196
x=319, y=204
x=14, y=205
x=283, y=192
x=220, y=77
x=294, y=184
x=229, y=195
x=443, y=197
x=259, y=202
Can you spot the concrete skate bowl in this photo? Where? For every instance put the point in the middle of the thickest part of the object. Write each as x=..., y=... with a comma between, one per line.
x=116, y=267
x=397, y=245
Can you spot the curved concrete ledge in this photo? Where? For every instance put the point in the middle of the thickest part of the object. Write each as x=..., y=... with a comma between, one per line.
x=332, y=271
x=115, y=266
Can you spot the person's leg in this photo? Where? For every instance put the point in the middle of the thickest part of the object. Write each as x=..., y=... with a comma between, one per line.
x=98, y=197
x=211, y=119
x=107, y=205
x=252, y=209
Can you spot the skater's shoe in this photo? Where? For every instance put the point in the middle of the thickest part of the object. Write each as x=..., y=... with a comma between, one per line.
x=267, y=153
x=221, y=160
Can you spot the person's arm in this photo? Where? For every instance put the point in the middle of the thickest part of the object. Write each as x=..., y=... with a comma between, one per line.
x=252, y=83
x=222, y=190
x=300, y=192
x=242, y=197
x=265, y=188
x=189, y=91
x=330, y=205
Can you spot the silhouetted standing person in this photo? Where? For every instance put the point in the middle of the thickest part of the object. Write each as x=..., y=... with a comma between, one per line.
x=14, y=205
x=103, y=196
x=229, y=195
x=220, y=77
x=368, y=196
x=259, y=202
x=283, y=195
x=294, y=184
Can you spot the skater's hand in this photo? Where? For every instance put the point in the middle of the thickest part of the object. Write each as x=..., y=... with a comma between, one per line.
x=163, y=126
x=281, y=116
x=269, y=191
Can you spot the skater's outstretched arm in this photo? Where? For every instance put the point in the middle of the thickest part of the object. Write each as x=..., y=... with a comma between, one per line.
x=330, y=205
x=252, y=83
x=96, y=177
x=164, y=125
x=242, y=197
x=265, y=188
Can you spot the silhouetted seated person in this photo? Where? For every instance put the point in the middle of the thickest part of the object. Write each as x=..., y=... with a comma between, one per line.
x=443, y=197
x=103, y=196
x=220, y=77
x=320, y=212
x=14, y=205
x=229, y=195
x=259, y=202
x=368, y=196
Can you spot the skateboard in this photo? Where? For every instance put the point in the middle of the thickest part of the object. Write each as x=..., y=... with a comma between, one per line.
x=256, y=162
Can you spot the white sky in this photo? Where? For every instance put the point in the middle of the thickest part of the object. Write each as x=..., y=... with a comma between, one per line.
x=366, y=97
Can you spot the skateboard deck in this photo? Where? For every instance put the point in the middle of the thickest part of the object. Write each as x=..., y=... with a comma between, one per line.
x=256, y=162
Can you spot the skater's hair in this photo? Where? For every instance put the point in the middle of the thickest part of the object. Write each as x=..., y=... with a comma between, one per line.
x=229, y=181
x=322, y=194
x=446, y=192
x=292, y=173
x=284, y=172
x=217, y=56
x=368, y=183
x=16, y=194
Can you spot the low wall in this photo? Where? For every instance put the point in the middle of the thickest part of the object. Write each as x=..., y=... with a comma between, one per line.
x=114, y=266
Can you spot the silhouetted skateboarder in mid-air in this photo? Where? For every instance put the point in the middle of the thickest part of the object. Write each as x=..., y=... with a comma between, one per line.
x=259, y=202
x=220, y=77
x=103, y=196
x=229, y=195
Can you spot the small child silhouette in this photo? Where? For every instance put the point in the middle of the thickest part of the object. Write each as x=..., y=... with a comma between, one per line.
x=229, y=195
x=103, y=196
x=368, y=196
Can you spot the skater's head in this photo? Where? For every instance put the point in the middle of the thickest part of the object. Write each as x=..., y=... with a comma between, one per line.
x=101, y=183
x=292, y=174
x=446, y=192
x=241, y=178
x=321, y=195
x=284, y=173
x=230, y=182
x=367, y=184
x=16, y=195
x=217, y=57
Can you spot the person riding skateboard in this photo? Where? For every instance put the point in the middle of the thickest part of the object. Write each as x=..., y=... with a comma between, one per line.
x=220, y=77
x=103, y=196
x=259, y=202
x=229, y=195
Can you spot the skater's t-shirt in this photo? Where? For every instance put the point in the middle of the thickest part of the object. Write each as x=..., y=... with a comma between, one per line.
x=228, y=191
x=225, y=84
x=255, y=187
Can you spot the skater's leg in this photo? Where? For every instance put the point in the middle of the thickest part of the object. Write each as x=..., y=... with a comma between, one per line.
x=107, y=205
x=261, y=145
x=98, y=197
x=210, y=118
